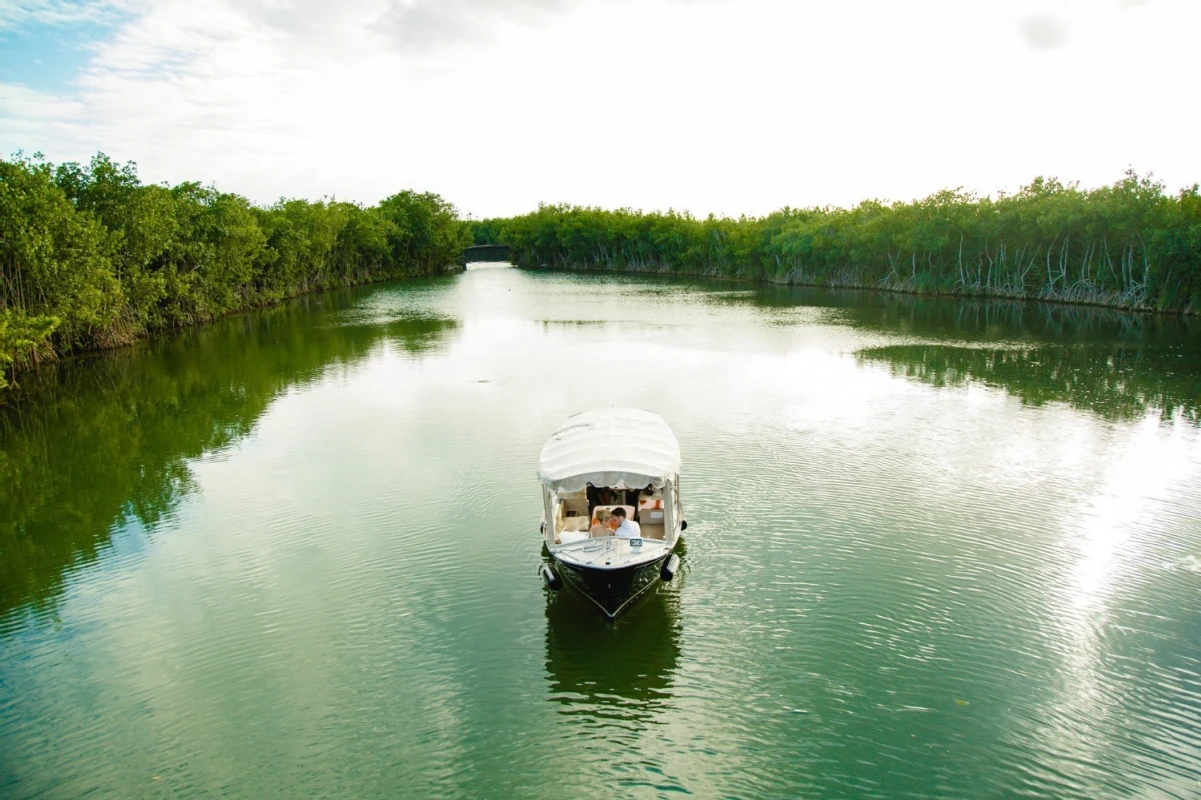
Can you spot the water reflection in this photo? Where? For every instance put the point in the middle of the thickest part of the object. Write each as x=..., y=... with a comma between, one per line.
x=1117, y=364
x=946, y=317
x=613, y=673
x=1119, y=383
x=107, y=440
x=892, y=590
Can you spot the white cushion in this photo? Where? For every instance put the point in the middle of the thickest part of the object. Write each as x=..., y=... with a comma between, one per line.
x=567, y=537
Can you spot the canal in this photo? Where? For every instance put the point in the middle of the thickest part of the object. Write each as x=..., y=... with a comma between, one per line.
x=935, y=549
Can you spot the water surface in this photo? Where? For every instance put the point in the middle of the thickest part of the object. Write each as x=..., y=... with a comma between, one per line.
x=935, y=548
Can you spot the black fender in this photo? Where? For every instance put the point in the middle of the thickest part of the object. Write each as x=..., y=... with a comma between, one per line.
x=550, y=578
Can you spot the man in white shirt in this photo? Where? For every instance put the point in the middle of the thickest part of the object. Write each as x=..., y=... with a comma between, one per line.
x=626, y=528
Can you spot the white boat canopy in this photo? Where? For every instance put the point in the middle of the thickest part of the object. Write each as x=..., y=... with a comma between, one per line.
x=623, y=448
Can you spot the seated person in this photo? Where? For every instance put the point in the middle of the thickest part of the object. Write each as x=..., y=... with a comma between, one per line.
x=626, y=528
x=602, y=525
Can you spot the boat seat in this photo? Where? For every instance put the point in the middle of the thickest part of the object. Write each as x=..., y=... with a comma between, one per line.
x=567, y=537
x=569, y=507
x=577, y=502
x=651, y=516
x=652, y=531
x=650, y=501
x=575, y=523
x=571, y=528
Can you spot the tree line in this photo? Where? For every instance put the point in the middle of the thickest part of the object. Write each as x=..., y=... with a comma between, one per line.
x=91, y=258
x=1130, y=244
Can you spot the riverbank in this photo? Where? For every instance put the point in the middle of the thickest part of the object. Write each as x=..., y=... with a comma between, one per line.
x=30, y=386
x=1129, y=245
x=93, y=259
x=1109, y=303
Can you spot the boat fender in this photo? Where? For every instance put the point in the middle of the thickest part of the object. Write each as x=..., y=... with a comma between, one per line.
x=552, y=581
x=683, y=524
x=670, y=568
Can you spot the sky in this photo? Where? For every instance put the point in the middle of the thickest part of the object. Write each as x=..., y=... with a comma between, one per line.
x=711, y=106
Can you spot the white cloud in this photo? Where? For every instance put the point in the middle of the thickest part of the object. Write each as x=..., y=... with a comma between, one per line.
x=428, y=23
x=1044, y=31
x=711, y=106
x=18, y=15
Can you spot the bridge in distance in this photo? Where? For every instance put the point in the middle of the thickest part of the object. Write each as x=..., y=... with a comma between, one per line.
x=484, y=252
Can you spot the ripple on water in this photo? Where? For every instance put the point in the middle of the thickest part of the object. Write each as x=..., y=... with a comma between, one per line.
x=891, y=587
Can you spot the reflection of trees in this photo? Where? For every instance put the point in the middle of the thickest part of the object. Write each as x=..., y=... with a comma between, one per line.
x=1115, y=363
x=619, y=670
x=892, y=312
x=1031, y=322
x=1115, y=382
x=417, y=335
x=109, y=438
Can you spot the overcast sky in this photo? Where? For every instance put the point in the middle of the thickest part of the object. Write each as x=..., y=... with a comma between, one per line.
x=726, y=106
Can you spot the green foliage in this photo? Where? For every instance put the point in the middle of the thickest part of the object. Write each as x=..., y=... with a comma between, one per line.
x=53, y=263
x=209, y=266
x=1128, y=244
x=591, y=238
x=91, y=258
x=1177, y=245
x=427, y=232
x=485, y=231
x=21, y=335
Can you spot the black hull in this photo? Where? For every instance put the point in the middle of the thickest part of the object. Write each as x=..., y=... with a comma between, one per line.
x=612, y=589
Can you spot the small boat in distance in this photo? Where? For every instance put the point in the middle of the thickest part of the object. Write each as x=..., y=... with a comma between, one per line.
x=600, y=466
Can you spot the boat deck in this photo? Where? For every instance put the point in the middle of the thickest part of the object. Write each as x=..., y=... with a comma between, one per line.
x=610, y=552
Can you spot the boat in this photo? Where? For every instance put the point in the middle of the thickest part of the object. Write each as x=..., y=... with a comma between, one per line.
x=596, y=462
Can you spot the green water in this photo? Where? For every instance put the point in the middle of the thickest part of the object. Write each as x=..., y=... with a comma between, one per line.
x=936, y=549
